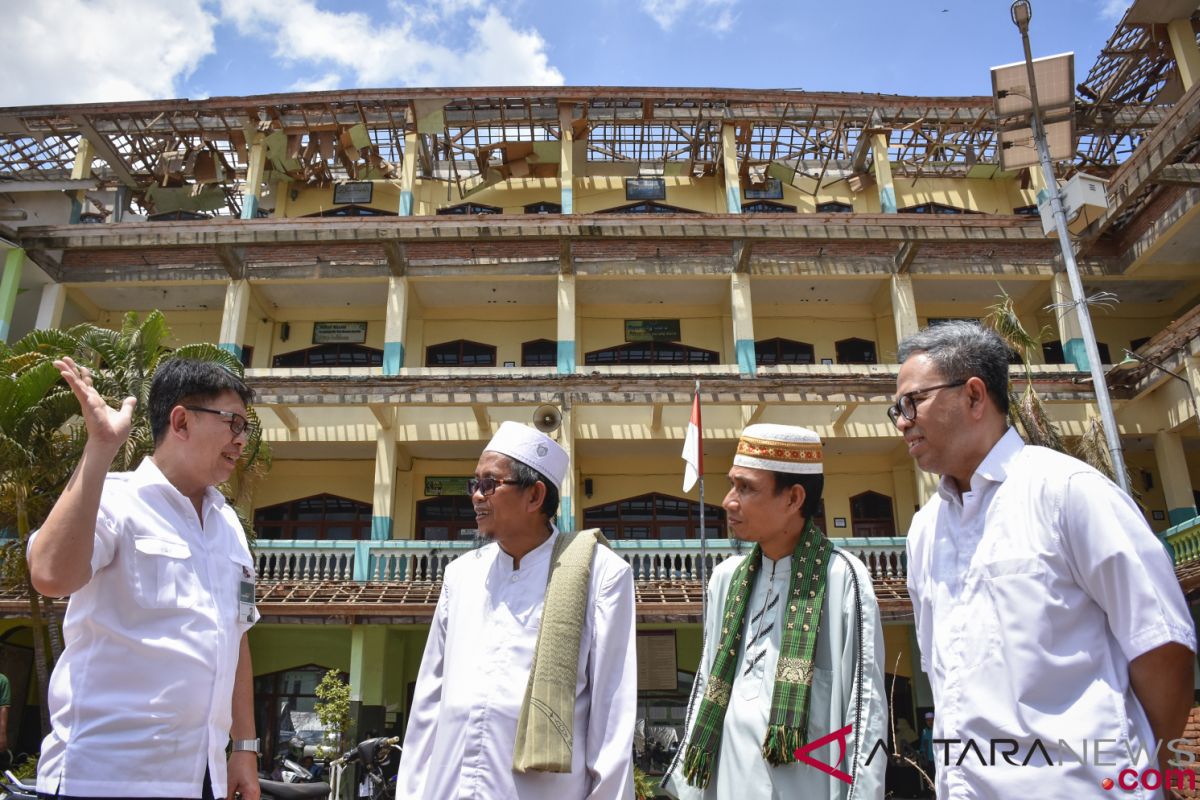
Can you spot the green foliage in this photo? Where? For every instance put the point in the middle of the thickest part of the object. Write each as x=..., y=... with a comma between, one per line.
x=333, y=708
x=644, y=787
x=26, y=771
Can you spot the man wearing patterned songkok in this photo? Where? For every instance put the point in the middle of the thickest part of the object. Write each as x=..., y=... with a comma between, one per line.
x=528, y=685
x=792, y=643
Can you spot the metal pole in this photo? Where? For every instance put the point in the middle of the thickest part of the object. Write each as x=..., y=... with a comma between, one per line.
x=1107, y=418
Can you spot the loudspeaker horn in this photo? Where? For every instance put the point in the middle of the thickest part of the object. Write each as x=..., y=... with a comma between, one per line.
x=547, y=418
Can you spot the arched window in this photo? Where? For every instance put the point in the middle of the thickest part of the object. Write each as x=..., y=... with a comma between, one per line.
x=449, y=517
x=647, y=207
x=871, y=515
x=285, y=706
x=655, y=516
x=460, y=353
x=782, y=351
x=651, y=353
x=767, y=207
x=834, y=207
x=855, y=351
x=543, y=208
x=353, y=211
x=539, y=353
x=322, y=516
x=331, y=355
x=468, y=208
x=934, y=208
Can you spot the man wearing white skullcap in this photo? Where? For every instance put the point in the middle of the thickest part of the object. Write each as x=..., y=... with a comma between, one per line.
x=528, y=685
x=788, y=700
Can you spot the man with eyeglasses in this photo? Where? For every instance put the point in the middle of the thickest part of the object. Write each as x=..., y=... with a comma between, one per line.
x=155, y=676
x=1046, y=610
x=528, y=684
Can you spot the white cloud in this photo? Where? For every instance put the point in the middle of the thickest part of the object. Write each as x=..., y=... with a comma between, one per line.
x=715, y=15
x=1113, y=9
x=72, y=51
x=324, y=83
x=408, y=50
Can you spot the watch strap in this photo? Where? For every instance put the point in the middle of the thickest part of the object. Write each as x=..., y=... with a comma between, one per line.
x=246, y=746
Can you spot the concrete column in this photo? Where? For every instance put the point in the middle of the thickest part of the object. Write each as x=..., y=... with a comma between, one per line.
x=904, y=307
x=904, y=488
x=252, y=190
x=383, y=501
x=1187, y=55
x=729, y=162
x=394, y=326
x=368, y=667
x=566, y=495
x=926, y=484
x=80, y=171
x=233, y=319
x=566, y=162
x=50, y=308
x=10, y=284
x=566, y=325
x=883, y=173
x=743, y=323
x=1173, y=472
x=1069, y=332
x=408, y=177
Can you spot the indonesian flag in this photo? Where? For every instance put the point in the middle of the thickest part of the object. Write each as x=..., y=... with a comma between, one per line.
x=692, y=455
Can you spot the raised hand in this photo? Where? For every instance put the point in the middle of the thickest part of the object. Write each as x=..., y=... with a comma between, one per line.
x=105, y=425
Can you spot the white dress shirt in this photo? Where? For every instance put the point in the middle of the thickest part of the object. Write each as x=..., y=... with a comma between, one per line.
x=463, y=723
x=141, y=699
x=842, y=685
x=1032, y=592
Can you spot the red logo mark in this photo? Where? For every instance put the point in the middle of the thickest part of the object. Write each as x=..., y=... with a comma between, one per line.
x=802, y=754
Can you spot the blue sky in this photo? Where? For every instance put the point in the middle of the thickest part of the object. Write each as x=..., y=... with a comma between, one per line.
x=59, y=51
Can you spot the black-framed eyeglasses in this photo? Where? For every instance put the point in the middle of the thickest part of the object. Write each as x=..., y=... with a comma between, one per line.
x=237, y=423
x=487, y=486
x=906, y=405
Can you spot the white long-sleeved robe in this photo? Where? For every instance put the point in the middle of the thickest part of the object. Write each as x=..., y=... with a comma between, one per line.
x=741, y=771
x=463, y=723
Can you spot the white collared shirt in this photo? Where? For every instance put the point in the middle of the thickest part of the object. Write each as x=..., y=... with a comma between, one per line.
x=1032, y=592
x=141, y=699
x=462, y=727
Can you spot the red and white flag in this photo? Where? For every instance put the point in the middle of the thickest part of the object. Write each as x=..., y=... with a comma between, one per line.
x=693, y=455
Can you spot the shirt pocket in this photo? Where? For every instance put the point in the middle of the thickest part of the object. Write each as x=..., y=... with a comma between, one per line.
x=164, y=576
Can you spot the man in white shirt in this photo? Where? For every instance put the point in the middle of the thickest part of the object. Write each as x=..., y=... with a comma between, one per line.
x=155, y=677
x=1048, y=615
x=793, y=645
x=489, y=719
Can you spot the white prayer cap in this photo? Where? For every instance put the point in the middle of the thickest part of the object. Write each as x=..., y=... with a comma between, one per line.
x=928, y=715
x=532, y=448
x=780, y=448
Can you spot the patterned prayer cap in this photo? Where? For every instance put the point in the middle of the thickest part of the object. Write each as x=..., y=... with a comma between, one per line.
x=780, y=448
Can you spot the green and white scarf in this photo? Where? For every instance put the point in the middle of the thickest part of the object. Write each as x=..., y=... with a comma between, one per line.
x=788, y=724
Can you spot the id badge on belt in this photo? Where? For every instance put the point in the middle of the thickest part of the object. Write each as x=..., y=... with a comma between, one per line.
x=246, y=596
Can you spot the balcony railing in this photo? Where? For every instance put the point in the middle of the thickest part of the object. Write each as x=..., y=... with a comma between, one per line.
x=1183, y=541
x=409, y=560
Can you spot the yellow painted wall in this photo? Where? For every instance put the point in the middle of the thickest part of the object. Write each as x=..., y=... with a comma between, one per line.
x=300, y=324
x=187, y=327
x=310, y=200
x=279, y=647
x=822, y=325
x=506, y=328
x=603, y=326
x=294, y=479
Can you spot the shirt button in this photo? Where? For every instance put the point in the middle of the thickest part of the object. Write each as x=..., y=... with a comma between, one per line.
x=515, y=578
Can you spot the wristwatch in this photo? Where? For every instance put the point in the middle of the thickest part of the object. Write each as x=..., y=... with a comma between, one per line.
x=246, y=746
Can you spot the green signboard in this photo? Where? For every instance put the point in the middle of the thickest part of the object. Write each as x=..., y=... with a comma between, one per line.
x=445, y=486
x=652, y=330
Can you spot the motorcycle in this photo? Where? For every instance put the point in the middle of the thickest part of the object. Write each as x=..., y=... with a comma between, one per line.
x=373, y=755
x=12, y=787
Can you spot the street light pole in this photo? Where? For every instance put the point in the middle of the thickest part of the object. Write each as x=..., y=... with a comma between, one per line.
x=1021, y=14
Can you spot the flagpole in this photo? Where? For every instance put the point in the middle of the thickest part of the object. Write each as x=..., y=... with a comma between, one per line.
x=703, y=540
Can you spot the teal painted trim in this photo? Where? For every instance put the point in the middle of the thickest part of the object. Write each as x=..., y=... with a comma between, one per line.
x=1178, y=515
x=362, y=559
x=747, y=361
x=1042, y=195
x=406, y=203
x=393, y=357
x=566, y=357
x=887, y=199
x=733, y=201
x=235, y=349
x=566, y=520
x=250, y=207
x=381, y=528
x=76, y=210
x=10, y=285
x=1075, y=353
x=568, y=200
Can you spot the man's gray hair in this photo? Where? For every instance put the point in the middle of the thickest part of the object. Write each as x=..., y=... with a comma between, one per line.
x=964, y=349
